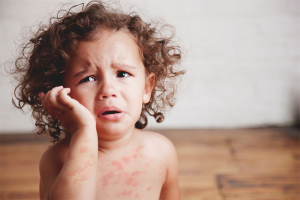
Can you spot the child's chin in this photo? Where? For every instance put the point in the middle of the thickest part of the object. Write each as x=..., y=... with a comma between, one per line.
x=110, y=129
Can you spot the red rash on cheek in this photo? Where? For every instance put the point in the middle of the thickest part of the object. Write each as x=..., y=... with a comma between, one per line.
x=83, y=149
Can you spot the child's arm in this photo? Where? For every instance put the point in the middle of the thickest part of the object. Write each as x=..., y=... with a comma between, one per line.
x=170, y=189
x=75, y=178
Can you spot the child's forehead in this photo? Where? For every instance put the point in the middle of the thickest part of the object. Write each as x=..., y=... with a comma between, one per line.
x=118, y=44
x=106, y=37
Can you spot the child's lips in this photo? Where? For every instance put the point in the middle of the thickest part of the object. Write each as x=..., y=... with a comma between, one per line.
x=111, y=113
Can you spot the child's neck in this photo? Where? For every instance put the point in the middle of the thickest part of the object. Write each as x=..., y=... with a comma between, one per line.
x=118, y=143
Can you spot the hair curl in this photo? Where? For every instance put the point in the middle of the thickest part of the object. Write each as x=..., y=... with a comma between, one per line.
x=43, y=60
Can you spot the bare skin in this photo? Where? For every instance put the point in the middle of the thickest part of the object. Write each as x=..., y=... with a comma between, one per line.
x=138, y=171
x=105, y=157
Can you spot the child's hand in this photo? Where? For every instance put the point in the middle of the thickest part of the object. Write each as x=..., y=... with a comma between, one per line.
x=71, y=114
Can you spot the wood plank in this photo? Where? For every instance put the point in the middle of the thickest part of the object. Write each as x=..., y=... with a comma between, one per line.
x=198, y=187
x=19, y=174
x=16, y=195
x=266, y=153
x=248, y=186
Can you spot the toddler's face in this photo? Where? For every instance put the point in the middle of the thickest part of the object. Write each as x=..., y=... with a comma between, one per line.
x=108, y=77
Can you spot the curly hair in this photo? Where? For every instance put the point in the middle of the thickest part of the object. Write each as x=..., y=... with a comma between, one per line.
x=43, y=60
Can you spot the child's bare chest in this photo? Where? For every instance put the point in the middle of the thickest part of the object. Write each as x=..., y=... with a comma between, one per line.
x=134, y=175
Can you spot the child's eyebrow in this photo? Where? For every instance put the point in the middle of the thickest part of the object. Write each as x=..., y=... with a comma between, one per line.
x=123, y=66
x=115, y=65
x=85, y=69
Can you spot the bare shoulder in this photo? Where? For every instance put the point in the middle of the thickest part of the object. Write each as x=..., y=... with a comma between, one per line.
x=159, y=143
x=164, y=151
x=51, y=164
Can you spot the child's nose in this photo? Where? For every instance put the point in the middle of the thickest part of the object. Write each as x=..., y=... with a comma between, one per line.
x=107, y=90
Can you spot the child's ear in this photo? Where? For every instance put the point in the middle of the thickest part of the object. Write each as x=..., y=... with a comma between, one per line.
x=150, y=80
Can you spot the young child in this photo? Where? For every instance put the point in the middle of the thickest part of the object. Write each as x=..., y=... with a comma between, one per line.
x=93, y=75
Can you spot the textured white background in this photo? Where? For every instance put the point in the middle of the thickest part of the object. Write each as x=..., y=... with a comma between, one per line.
x=242, y=59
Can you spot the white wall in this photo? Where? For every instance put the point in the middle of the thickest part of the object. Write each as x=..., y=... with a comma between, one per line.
x=242, y=59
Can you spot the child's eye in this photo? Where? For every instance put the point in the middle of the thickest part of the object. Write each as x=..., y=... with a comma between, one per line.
x=123, y=74
x=87, y=79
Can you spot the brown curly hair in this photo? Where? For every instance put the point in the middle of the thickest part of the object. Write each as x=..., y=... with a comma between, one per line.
x=43, y=60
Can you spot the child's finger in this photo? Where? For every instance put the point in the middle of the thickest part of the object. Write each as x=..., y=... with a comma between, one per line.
x=49, y=101
x=64, y=98
x=41, y=96
x=54, y=93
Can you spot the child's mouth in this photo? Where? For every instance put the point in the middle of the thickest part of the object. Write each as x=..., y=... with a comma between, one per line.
x=111, y=113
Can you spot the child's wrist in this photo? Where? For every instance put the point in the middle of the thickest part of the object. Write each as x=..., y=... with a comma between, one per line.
x=85, y=129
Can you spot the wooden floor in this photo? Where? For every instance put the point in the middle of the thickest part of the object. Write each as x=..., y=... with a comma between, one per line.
x=247, y=164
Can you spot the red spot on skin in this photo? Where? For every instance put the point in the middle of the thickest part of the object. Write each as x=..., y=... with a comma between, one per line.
x=120, y=176
x=105, y=182
x=136, y=173
x=127, y=193
x=105, y=179
x=139, y=148
x=118, y=164
x=131, y=181
x=74, y=172
x=110, y=174
x=83, y=177
x=83, y=149
x=126, y=159
x=126, y=174
x=135, y=155
x=149, y=188
x=80, y=169
x=137, y=195
x=87, y=163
